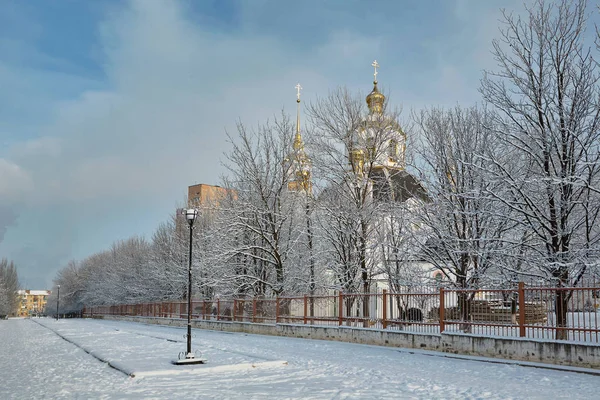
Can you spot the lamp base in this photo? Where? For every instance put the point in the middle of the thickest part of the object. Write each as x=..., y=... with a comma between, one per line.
x=189, y=359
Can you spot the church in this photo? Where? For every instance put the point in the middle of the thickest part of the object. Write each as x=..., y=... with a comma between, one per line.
x=376, y=154
x=376, y=170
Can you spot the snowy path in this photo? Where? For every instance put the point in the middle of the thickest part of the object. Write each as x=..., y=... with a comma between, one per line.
x=37, y=362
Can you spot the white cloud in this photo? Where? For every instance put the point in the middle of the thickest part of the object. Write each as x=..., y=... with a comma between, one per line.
x=349, y=46
x=38, y=147
x=15, y=183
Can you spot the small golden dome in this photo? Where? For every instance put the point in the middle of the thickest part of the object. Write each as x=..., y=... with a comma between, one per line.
x=375, y=100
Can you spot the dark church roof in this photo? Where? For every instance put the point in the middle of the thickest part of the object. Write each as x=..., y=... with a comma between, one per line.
x=396, y=185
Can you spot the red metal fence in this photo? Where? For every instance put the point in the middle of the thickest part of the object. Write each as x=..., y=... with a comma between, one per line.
x=530, y=312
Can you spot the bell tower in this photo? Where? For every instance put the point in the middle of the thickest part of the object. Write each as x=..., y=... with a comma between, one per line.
x=300, y=168
x=383, y=139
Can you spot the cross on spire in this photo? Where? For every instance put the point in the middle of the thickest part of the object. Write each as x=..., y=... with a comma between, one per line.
x=298, y=88
x=375, y=65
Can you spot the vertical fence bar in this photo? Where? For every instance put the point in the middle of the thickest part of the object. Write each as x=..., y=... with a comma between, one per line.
x=442, y=311
x=595, y=300
x=305, y=308
x=277, y=310
x=254, y=309
x=340, y=309
x=218, y=309
x=584, y=310
x=234, y=309
x=522, y=309
x=384, y=311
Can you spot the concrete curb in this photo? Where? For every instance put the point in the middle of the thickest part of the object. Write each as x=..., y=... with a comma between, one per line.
x=489, y=360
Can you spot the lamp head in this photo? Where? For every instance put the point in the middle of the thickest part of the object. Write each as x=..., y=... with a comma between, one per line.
x=190, y=215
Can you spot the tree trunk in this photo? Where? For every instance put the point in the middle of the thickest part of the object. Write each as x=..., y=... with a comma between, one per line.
x=464, y=309
x=561, y=304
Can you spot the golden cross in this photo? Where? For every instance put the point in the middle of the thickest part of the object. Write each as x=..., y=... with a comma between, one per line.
x=375, y=65
x=298, y=88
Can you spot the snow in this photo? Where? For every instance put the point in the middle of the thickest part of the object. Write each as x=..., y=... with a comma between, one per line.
x=38, y=362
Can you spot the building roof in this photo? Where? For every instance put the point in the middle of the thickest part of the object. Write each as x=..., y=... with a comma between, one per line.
x=34, y=292
x=396, y=185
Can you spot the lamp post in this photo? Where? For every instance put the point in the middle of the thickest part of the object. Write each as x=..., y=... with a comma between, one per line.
x=190, y=215
x=57, y=301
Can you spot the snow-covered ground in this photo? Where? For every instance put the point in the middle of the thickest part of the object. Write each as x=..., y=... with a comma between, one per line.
x=37, y=362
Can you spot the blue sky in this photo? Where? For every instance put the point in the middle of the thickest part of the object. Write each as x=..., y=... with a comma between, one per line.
x=110, y=109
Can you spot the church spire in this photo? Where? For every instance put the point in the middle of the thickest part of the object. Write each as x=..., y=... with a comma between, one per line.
x=375, y=99
x=300, y=171
x=298, y=145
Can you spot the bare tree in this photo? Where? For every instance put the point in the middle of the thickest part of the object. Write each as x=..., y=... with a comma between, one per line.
x=167, y=264
x=9, y=286
x=355, y=151
x=73, y=281
x=464, y=225
x=260, y=221
x=546, y=92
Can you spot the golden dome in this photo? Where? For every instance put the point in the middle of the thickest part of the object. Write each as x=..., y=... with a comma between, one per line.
x=375, y=100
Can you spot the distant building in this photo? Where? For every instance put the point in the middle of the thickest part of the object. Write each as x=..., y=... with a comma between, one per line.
x=205, y=198
x=203, y=194
x=32, y=302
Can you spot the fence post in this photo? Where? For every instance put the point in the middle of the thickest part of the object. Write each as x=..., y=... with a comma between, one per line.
x=384, y=309
x=277, y=310
x=254, y=309
x=521, y=309
x=442, y=311
x=341, y=309
x=305, y=308
x=234, y=309
x=218, y=309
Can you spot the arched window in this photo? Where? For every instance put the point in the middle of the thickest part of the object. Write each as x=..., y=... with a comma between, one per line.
x=393, y=148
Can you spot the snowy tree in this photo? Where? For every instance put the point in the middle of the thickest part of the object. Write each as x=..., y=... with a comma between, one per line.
x=398, y=236
x=259, y=230
x=546, y=92
x=73, y=282
x=133, y=270
x=464, y=226
x=356, y=153
x=345, y=200
x=9, y=286
x=167, y=266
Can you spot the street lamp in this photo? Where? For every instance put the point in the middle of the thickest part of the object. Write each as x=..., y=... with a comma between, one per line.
x=190, y=215
x=57, y=301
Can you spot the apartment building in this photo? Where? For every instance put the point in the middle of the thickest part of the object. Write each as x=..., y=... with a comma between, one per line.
x=32, y=302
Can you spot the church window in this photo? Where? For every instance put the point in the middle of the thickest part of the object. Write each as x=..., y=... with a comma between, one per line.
x=371, y=148
x=393, y=148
